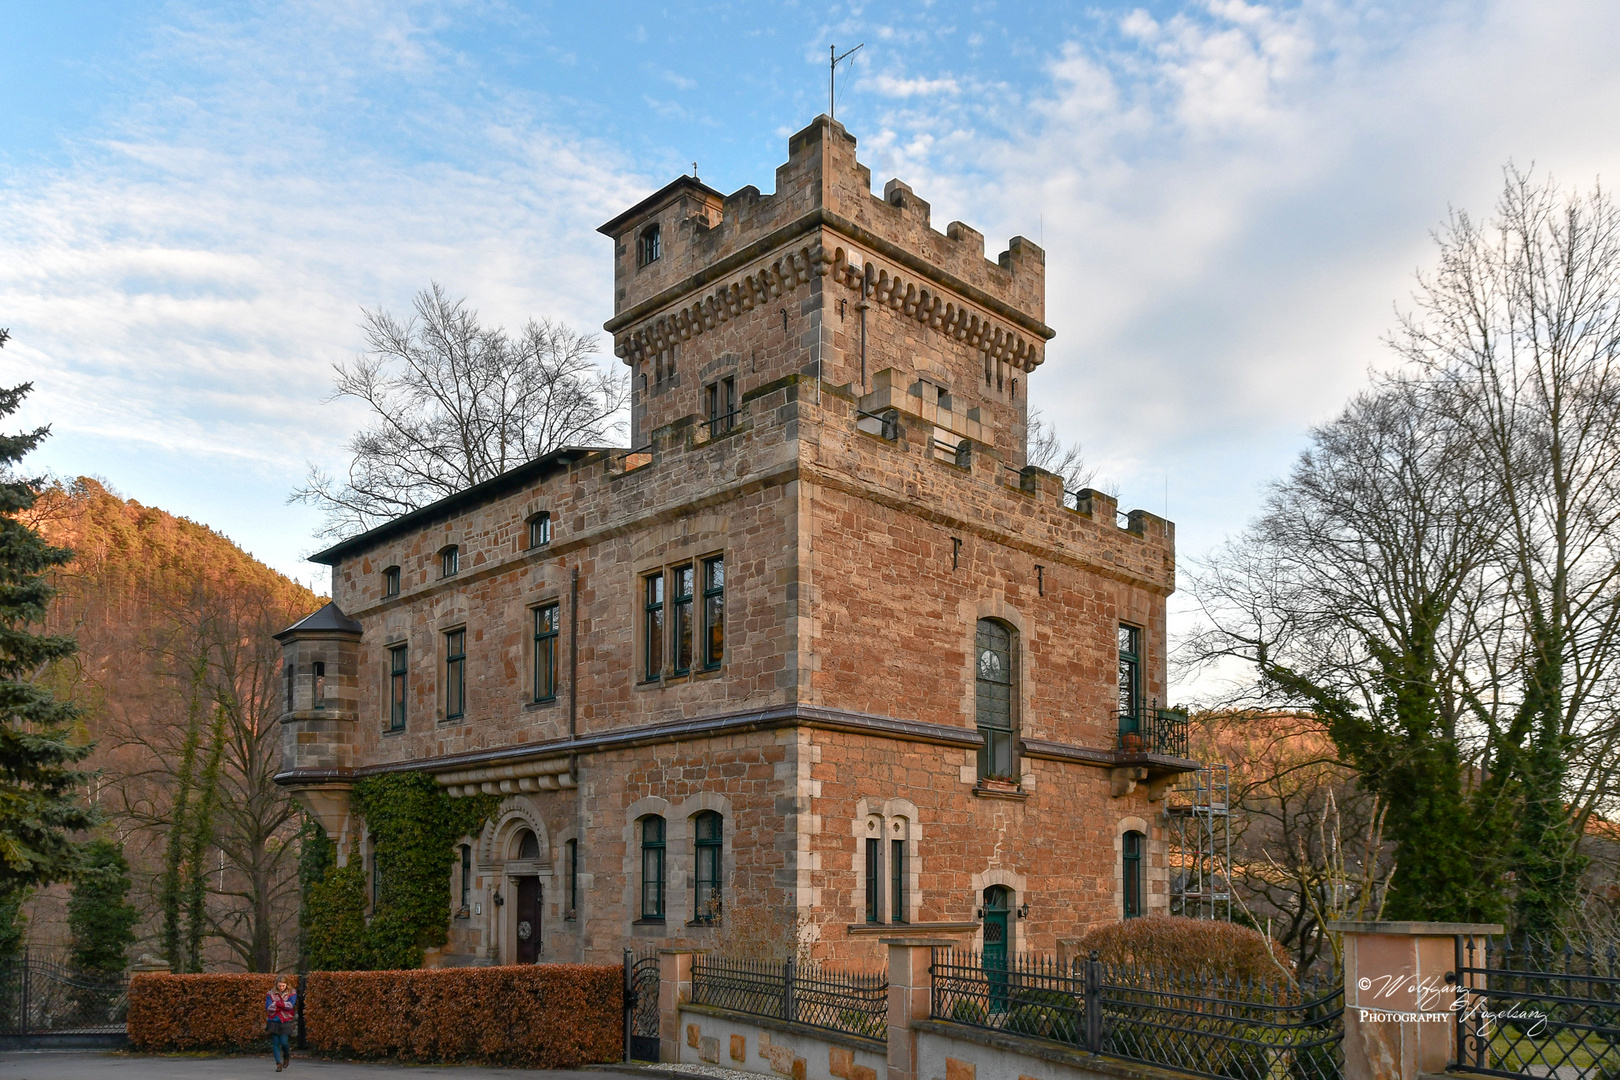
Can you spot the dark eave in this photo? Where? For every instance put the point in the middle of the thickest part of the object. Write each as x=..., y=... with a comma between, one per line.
x=496, y=486
x=646, y=206
x=328, y=620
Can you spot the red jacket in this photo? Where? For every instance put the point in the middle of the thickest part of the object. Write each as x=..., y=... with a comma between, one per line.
x=283, y=1007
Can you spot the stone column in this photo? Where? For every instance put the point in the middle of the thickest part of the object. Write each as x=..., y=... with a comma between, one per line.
x=674, y=987
x=910, y=991
x=1394, y=979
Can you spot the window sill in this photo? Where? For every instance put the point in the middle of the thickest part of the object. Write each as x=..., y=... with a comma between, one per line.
x=389, y=732
x=648, y=922
x=703, y=922
x=543, y=703
x=892, y=929
x=981, y=791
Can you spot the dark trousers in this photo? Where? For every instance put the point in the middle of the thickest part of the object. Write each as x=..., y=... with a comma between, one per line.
x=278, y=1047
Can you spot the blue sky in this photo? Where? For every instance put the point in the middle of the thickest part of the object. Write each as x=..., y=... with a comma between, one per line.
x=197, y=200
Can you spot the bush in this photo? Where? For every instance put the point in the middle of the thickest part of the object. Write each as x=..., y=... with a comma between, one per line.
x=1190, y=947
x=197, y=1012
x=547, y=1016
x=1047, y=1014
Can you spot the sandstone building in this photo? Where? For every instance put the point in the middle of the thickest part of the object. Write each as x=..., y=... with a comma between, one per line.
x=819, y=642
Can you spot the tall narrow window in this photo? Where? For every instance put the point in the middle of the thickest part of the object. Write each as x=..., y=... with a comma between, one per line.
x=682, y=601
x=652, y=867
x=466, y=874
x=1130, y=671
x=455, y=674
x=397, y=658
x=722, y=405
x=1132, y=873
x=391, y=581
x=709, y=828
x=546, y=622
x=571, y=850
x=897, y=881
x=649, y=245
x=540, y=529
x=320, y=686
x=874, y=877
x=653, y=626
x=993, y=698
x=287, y=670
x=714, y=611
x=449, y=561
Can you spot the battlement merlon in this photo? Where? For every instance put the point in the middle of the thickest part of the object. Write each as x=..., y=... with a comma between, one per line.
x=711, y=247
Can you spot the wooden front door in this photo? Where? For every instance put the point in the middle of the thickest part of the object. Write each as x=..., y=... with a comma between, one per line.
x=528, y=920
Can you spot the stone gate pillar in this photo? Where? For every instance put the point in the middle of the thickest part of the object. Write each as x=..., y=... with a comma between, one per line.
x=674, y=987
x=911, y=987
x=1399, y=1023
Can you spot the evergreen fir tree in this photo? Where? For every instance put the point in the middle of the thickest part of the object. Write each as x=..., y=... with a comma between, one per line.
x=39, y=788
x=100, y=918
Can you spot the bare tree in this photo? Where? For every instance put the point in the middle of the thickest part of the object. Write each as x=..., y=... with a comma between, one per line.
x=1046, y=450
x=455, y=403
x=1519, y=331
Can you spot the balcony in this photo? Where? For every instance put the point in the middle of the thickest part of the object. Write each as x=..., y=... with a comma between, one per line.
x=1151, y=730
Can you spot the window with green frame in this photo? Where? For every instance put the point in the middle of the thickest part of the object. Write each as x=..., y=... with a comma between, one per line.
x=546, y=624
x=708, y=830
x=1131, y=872
x=455, y=674
x=653, y=625
x=995, y=689
x=714, y=611
x=652, y=868
x=398, y=666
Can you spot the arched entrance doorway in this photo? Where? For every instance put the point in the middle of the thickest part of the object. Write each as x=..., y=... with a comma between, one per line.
x=997, y=911
x=527, y=901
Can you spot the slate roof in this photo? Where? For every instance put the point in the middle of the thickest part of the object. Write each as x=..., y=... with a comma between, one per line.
x=330, y=617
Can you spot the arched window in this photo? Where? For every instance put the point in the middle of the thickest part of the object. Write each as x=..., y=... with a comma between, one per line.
x=995, y=686
x=709, y=830
x=528, y=845
x=540, y=529
x=1131, y=860
x=449, y=561
x=652, y=867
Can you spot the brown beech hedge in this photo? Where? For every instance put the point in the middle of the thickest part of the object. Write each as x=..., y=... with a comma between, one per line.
x=543, y=1016
x=198, y=1012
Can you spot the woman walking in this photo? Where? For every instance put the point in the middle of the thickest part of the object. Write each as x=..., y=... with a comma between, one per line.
x=281, y=1009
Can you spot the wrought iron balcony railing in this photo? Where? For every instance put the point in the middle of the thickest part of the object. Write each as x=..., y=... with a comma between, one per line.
x=1153, y=731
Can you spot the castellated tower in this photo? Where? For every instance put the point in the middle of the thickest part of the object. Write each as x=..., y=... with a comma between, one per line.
x=818, y=647
x=826, y=280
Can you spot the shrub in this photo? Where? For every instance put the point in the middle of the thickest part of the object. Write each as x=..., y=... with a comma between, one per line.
x=1190, y=947
x=1048, y=1014
x=546, y=1016
x=197, y=1012
x=100, y=918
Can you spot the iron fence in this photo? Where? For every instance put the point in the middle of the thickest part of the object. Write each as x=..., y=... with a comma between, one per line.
x=855, y=1003
x=1534, y=1007
x=39, y=996
x=1197, y=1026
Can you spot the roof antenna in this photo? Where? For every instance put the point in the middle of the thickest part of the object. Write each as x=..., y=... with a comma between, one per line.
x=694, y=170
x=832, y=75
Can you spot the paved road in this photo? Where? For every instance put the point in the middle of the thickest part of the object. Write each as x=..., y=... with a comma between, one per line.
x=94, y=1065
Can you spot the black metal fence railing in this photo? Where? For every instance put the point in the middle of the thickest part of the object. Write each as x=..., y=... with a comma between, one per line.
x=40, y=996
x=1195, y=1026
x=855, y=1003
x=1539, y=1008
x=1152, y=731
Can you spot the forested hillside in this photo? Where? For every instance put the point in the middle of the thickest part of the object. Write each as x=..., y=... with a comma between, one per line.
x=177, y=673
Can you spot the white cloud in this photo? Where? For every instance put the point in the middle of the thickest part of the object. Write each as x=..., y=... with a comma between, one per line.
x=891, y=86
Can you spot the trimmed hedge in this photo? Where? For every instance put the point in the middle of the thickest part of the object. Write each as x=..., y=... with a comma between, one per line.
x=198, y=1012
x=1191, y=947
x=545, y=1016
x=536, y=1016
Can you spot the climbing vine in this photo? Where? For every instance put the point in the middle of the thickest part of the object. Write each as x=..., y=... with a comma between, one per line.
x=414, y=826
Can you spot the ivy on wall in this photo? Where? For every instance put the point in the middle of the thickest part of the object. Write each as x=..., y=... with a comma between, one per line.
x=414, y=826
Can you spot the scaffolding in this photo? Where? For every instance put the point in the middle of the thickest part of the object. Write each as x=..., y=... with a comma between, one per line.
x=1198, y=828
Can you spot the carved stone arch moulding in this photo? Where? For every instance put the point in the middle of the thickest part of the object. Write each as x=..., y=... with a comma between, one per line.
x=514, y=813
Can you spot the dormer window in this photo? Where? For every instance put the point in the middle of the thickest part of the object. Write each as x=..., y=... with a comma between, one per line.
x=449, y=561
x=649, y=245
x=540, y=529
x=391, y=581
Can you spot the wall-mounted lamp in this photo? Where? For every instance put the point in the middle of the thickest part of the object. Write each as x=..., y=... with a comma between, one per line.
x=499, y=899
x=1023, y=910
